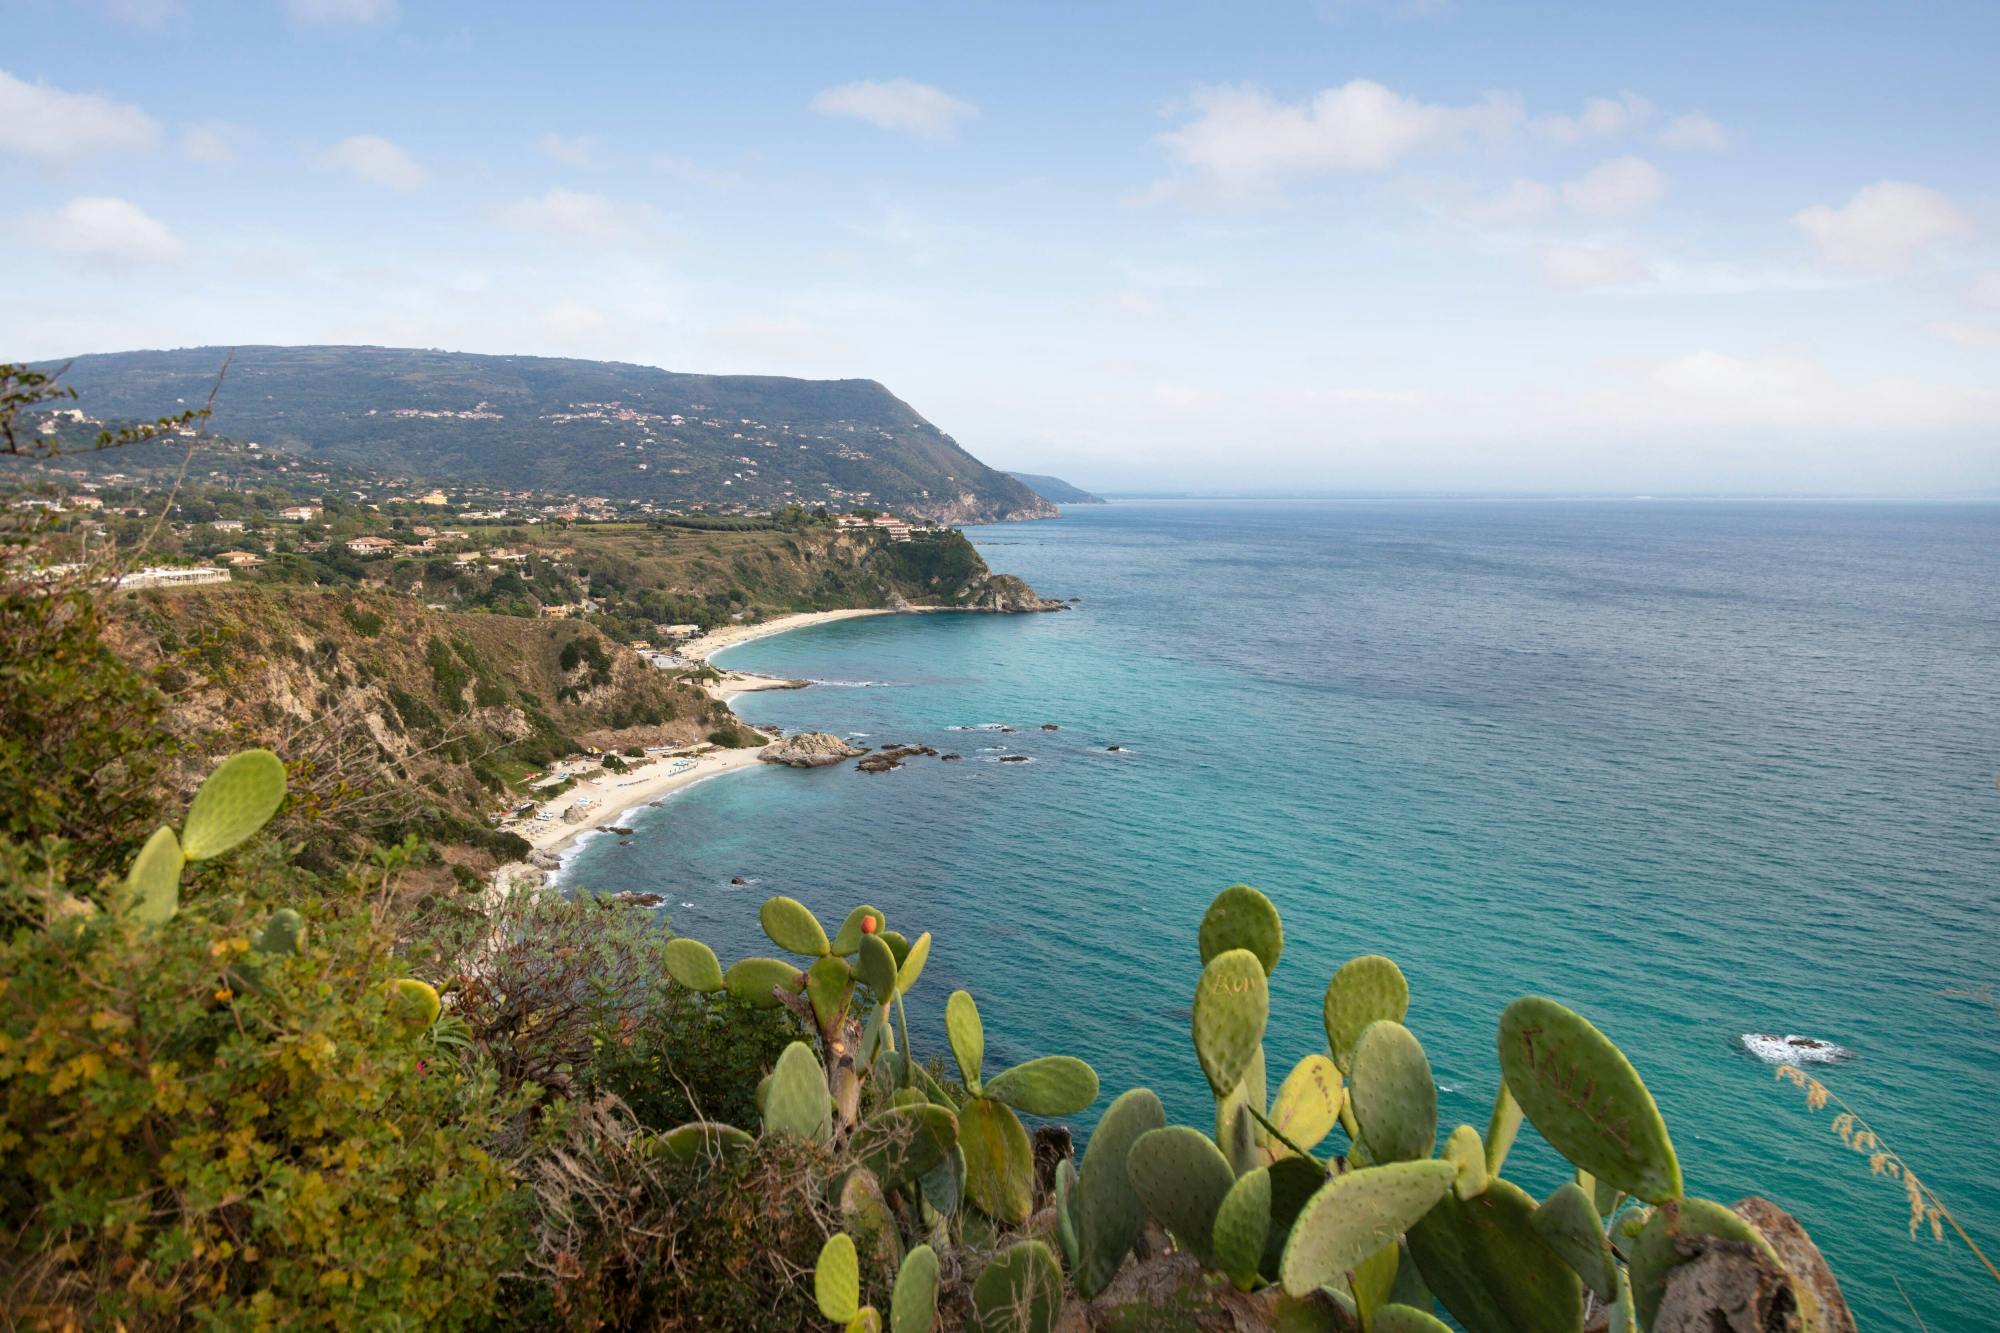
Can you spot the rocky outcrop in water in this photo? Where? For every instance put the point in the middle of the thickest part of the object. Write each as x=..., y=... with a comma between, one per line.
x=1006, y=594
x=809, y=749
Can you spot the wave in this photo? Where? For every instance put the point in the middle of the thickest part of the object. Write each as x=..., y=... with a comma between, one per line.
x=1793, y=1050
x=850, y=684
x=986, y=726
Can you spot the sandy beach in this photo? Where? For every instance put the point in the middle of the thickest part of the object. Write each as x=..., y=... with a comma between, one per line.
x=729, y=636
x=613, y=794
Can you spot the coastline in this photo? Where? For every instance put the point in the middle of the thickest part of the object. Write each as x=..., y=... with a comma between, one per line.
x=734, y=683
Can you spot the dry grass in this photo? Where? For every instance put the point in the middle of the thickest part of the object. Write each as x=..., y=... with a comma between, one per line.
x=1926, y=1208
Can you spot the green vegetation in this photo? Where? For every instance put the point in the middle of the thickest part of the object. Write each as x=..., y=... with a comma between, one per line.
x=719, y=440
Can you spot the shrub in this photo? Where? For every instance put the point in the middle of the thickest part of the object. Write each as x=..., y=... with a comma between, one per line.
x=683, y=1056
x=182, y=1146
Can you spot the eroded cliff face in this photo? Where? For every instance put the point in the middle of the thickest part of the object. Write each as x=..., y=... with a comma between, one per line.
x=966, y=507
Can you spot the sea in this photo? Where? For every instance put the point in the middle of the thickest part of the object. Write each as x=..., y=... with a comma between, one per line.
x=1696, y=769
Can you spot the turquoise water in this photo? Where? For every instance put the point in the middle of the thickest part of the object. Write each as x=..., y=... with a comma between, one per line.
x=1695, y=769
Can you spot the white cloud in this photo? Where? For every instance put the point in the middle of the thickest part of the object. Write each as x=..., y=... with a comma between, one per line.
x=1522, y=201
x=104, y=230
x=213, y=143
x=375, y=160
x=1618, y=188
x=690, y=172
x=897, y=104
x=1696, y=133
x=39, y=121
x=1244, y=142
x=1967, y=334
x=1581, y=267
x=333, y=12
x=1601, y=118
x=572, y=215
x=1884, y=227
x=1985, y=288
x=575, y=151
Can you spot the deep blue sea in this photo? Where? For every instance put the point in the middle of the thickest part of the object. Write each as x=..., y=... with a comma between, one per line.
x=1695, y=769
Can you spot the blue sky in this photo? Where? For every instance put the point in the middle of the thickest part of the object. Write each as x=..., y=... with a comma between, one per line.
x=1354, y=244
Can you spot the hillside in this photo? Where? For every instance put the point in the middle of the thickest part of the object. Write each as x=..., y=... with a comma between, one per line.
x=732, y=442
x=1056, y=489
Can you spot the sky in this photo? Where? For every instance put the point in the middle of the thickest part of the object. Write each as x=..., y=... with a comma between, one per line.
x=1340, y=245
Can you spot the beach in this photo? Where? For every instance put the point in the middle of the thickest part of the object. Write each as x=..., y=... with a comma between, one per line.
x=613, y=794
x=734, y=683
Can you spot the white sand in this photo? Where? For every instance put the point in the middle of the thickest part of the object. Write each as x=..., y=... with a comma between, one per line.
x=615, y=793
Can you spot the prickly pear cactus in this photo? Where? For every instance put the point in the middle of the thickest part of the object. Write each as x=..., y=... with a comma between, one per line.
x=1568, y=1223
x=284, y=933
x=1654, y=1254
x=1365, y=990
x=412, y=1005
x=1407, y=1319
x=152, y=891
x=901, y=1143
x=1482, y=1259
x=1231, y=1004
x=829, y=986
x=1308, y=1104
x=1354, y=1215
x=238, y=798
x=966, y=1035
x=1108, y=1211
x=752, y=980
x=1182, y=1178
x=1583, y=1096
x=999, y=1160
x=1395, y=1098
x=797, y=1101
x=1468, y=1156
x=865, y=1215
x=1242, y=918
x=911, y=965
x=1242, y=1225
x=1501, y=1128
x=847, y=940
x=699, y=1140
x=913, y=1306
x=791, y=926
x=876, y=966
x=1019, y=1292
x=1049, y=1085
x=693, y=964
x=837, y=1279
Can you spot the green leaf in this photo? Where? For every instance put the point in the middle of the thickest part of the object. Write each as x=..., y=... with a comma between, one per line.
x=1468, y=1155
x=1242, y=1225
x=153, y=887
x=847, y=940
x=1568, y=1223
x=837, y=1279
x=830, y=985
x=877, y=967
x=913, y=1306
x=967, y=1037
x=797, y=1101
x=1395, y=1098
x=1051, y=1085
x=1242, y=918
x=1019, y=1292
x=1482, y=1259
x=1365, y=990
x=903, y=1142
x=1109, y=1213
x=792, y=926
x=412, y=1005
x=239, y=798
x=1407, y=1319
x=1308, y=1103
x=693, y=964
x=1182, y=1177
x=1583, y=1096
x=700, y=1140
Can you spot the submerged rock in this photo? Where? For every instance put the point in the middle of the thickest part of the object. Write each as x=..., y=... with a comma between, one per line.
x=809, y=749
x=632, y=898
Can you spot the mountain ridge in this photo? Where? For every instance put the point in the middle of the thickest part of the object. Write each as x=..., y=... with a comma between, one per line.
x=619, y=429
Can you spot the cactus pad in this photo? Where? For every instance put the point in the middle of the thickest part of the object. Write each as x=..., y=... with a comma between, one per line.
x=698, y=1141
x=693, y=964
x=1395, y=1099
x=999, y=1161
x=865, y=1215
x=1232, y=1001
x=412, y=1005
x=152, y=892
x=239, y=798
x=792, y=926
x=1109, y=1213
x=1501, y=1128
x=1019, y=1292
x=1182, y=1178
x=904, y=1142
x=1654, y=1254
x=1407, y=1319
x=1365, y=990
x=830, y=985
x=1237, y=1133
x=876, y=966
x=967, y=1036
x=1354, y=1215
x=1482, y=1259
x=752, y=980
x=837, y=1279
x=848, y=938
x=285, y=932
x=797, y=1102
x=1065, y=1201
x=1373, y=1279
x=1583, y=1096
x=911, y=965
x=1242, y=1225
x=1308, y=1103
x=1568, y=1223
x=1242, y=918
x=1468, y=1155
x=1051, y=1085
x=913, y=1307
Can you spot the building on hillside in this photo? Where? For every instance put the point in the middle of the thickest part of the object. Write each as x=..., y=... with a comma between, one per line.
x=227, y=525
x=161, y=576
x=370, y=545
x=679, y=631
x=432, y=498
x=85, y=502
x=301, y=513
x=241, y=559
